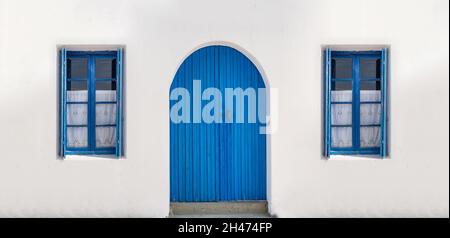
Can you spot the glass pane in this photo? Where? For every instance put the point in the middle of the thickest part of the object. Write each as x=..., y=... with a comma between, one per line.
x=370, y=114
x=77, y=114
x=341, y=85
x=341, y=91
x=105, y=96
x=341, y=137
x=77, y=91
x=105, y=114
x=105, y=136
x=370, y=136
x=105, y=85
x=105, y=68
x=371, y=85
x=370, y=91
x=77, y=85
x=77, y=137
x=369, y=68
x=341, y=114
x=77, y=68
x=342, y=67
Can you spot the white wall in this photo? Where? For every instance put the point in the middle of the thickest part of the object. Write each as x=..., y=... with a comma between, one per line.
x=285, y=37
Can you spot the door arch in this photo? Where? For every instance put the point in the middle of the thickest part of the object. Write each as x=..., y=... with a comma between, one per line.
x=222, y=160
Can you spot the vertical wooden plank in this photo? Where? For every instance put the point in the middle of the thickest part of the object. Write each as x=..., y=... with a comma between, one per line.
x=246, y=73
x=219, y=127
x=182, y=150
x=262, y=149
x=243, y=143
x=230, y=176
x=239, y=82
x=187, y=83
x=256, y=135
x=237, y=159
x=213, y=126
x=243, y=126
x=196, y=146
x=209, y=142
x=204, y=138
x=248, y=126
x=222, y=175
x=253, y=134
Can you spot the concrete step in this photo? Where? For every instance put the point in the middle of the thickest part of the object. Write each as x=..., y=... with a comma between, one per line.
x=241, y=215
x=219, y=209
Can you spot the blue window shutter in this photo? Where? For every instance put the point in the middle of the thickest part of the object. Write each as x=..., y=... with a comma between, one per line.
x=384, y=63
x=62, y=117
x=119, y=118
x=327, y=92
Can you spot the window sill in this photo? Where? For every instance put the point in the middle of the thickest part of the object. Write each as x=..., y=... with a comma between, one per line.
x=356, y=157
x=90, y=157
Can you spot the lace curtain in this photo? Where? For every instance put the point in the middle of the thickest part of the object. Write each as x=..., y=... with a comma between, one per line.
x=341, y=114
x=105, y=119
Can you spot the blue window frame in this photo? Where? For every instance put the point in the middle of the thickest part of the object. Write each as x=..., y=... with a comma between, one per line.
x=355, y=102
x=91, y=102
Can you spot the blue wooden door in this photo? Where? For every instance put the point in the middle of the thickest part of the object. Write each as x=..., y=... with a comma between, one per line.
x=217, y=161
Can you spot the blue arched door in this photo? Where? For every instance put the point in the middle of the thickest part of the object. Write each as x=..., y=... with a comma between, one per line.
x=217, y=161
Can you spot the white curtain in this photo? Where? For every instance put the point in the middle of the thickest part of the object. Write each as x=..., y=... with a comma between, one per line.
x=341, y=114
x=105, y=114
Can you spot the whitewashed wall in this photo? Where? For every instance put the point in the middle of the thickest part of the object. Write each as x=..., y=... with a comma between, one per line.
x=285, y=38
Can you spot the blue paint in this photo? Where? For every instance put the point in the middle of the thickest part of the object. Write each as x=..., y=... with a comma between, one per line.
x=356, y=56
x=91, y=56
x=356, y=103
x=62, y=108
x=119, y=102
x=384, y=69
x=327, y=93
x=217, y=161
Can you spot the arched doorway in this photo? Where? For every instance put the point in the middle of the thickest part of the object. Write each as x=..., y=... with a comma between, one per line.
x=217, y=152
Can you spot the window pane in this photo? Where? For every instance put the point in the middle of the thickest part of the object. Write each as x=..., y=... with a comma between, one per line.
x=77, y=114
x=341, y=114
x=342, y=67
x=105, y=114
x=370, y=114
x=77, y=137
x=341, y=91
x=369, y=68
x=77, y=85
x=341, y=96
x=105, y=96
x=370, y=85
x=105, y=68
x=341, y=137
x=77, y=91
x=370, y=91
x=105, y=136
x=370, y=136
x=105, y=85
x=341, y=85
x=77, y=68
